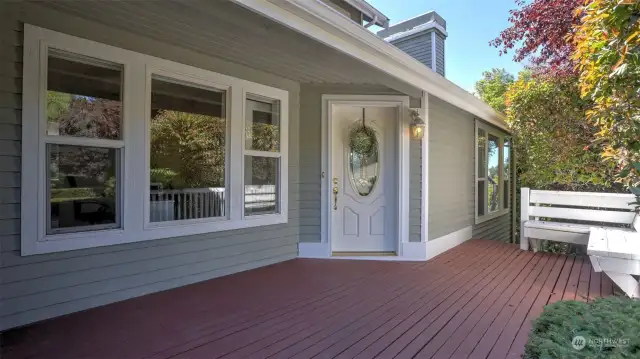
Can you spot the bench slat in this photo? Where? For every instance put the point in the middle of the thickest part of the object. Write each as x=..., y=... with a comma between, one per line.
x=583, y=199
x=582, y=214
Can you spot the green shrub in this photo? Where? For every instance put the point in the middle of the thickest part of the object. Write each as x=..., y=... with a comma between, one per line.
x=610, y=328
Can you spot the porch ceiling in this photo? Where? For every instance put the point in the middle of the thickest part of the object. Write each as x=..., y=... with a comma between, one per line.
x=225, y=30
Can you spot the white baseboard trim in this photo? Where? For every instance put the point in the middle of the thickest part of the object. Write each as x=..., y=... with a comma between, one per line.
x=446, y=242
x=313, y=250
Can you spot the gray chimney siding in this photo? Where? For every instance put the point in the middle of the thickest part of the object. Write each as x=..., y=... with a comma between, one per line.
x=419, y=47
x=416, y=37
x=440, y=53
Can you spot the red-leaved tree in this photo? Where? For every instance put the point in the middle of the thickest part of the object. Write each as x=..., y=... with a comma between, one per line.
x=541, y=32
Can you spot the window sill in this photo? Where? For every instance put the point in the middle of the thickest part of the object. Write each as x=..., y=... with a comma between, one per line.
x=491, y=216
x=84, y=240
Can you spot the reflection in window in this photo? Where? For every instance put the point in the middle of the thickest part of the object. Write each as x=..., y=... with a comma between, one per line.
x=83, y=188
x=482, y=154
x=493, y=146
x=507, y=171
x=188, y=142
x=83, y=97
x=261, y=185
x=262, y=127
x=363, y=170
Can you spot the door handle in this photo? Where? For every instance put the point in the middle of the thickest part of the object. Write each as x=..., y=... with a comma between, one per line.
x=335, y=198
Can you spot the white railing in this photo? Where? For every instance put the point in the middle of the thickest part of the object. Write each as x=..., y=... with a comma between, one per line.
x=194, y=203
x=190, y=203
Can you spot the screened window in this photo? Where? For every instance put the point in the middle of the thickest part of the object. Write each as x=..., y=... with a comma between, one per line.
x=493, y=172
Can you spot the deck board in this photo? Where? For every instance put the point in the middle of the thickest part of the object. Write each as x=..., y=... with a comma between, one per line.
x=475, y=301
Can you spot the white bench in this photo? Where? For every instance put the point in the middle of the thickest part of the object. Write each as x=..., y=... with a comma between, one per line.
x=617, y=254
x=579, y=207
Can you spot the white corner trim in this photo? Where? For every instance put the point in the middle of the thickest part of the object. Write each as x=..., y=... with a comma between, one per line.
x=314, y=250
x=424, y=208
x=446, y=242
x=313, y=19
x=414, y=251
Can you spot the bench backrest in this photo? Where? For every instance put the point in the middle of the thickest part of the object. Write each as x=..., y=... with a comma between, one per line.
x=578, y=206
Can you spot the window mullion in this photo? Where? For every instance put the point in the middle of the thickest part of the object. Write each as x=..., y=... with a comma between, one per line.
x=236, y=156
x=136, y=174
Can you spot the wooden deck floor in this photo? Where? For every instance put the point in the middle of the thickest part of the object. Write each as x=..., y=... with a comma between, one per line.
x=475, y=301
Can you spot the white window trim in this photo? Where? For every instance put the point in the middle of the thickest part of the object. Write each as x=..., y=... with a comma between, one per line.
x=135, y=224
x=489, y=130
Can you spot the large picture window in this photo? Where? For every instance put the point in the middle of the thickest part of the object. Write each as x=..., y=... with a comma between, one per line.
x=121, y=147
x=493, y=156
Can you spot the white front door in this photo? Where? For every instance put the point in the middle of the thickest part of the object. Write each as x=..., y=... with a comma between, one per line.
x=364, y=189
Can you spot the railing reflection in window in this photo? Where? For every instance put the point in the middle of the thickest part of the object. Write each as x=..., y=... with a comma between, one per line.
x=194, y=203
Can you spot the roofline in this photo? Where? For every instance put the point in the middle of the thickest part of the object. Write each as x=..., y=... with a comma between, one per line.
x=318, y=21
x=416, y=30
x=374, y=14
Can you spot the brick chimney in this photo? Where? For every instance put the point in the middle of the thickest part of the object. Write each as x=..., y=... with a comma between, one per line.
x=421, y=37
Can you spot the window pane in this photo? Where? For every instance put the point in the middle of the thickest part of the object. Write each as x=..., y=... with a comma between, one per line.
x=482, y=145
x=493, y=147
x=188, y=149
x=506, y=153
x=262, y=124
x=482, y=189
x=83, y=98
x=261, y=176
x=83, y=187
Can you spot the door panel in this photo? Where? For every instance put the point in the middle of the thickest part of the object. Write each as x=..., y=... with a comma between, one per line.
x=364, y=207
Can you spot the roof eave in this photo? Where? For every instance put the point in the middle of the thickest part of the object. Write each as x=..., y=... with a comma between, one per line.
x=317, y=20
x=370, y=12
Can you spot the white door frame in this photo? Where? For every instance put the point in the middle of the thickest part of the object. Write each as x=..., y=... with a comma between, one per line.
x=402, y=103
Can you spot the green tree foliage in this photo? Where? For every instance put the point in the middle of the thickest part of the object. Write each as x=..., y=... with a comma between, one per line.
x=607, y=43
x=492, y=87
x=552, y=137
x=188, y=150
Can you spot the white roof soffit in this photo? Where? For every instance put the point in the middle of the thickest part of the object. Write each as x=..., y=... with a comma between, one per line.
x=317, y=20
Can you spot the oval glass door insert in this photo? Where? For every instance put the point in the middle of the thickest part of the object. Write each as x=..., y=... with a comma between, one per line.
x=364, y=167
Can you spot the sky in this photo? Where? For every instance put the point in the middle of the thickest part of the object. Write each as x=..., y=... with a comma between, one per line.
x=471, y=24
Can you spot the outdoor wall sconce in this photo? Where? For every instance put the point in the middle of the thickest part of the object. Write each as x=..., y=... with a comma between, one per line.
x=417, y=125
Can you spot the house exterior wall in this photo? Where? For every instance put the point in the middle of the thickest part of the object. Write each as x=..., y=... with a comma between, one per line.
x=38, y=287
x=451, y=164
x=311, y=155
x=452, y=187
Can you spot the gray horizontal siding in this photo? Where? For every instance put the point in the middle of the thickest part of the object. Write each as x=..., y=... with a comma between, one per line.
x=415, y=190
x=451, y=143
x=419, y=47
x=311, y=160
x=440, y=63
x=498, y=229
x=38, y=287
